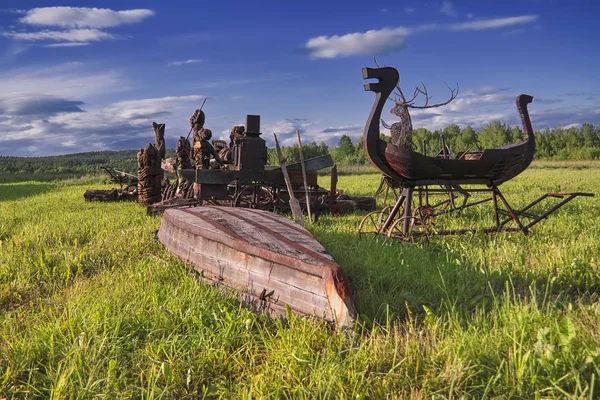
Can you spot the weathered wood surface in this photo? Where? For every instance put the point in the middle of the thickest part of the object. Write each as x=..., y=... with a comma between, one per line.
x=260, y=253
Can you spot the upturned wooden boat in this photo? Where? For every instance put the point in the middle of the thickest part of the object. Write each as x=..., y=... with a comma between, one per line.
x=491, y=167
x=266, y=257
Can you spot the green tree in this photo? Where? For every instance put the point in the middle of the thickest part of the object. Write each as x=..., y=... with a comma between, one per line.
x=590, y=136
x=495, y=134
x=451, y=134
x=467, y=141
x=516, y=135
x=345, y=146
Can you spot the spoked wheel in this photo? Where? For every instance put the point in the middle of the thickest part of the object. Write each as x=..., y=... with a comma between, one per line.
x=417, y=229
x=255, y=196
x=266, y=197
x=370, y=226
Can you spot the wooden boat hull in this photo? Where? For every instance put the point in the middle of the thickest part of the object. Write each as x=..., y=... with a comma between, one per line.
x=267, y=257
x=491, y=168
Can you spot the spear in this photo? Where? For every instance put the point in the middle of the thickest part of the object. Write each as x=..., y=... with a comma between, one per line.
x=188, y=135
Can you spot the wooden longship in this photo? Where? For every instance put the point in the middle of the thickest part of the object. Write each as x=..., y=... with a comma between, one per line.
x=267, y=257
x=490, y=167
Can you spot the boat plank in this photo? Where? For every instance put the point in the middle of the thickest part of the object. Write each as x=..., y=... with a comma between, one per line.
x=252, y=274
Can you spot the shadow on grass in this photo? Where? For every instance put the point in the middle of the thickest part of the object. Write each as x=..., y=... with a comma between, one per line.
x=9, y=192
x=392, y=279
x=38, y=176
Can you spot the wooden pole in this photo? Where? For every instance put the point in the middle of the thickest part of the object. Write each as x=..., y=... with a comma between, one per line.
x=304, y=176
x=294, y=203
x=332, y=192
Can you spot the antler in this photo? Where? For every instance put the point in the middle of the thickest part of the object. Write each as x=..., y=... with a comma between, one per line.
x=419, y=90
x=422, y=90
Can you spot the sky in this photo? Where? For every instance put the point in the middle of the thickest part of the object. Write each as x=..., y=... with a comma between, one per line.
x=94, y=75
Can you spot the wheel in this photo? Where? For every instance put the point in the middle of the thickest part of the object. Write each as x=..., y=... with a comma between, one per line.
x=384, y=214
x=417, y=229
x=370, y=226
x=255, y=196
x=244, y=198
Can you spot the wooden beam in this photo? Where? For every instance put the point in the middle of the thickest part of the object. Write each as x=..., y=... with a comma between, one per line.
x=313, y=164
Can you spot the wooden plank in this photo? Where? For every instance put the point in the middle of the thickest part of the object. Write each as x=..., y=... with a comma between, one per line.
x=332, y=192
x=304, y=292
x=221, y=233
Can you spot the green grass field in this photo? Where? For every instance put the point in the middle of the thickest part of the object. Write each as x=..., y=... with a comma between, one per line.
x=92, y=305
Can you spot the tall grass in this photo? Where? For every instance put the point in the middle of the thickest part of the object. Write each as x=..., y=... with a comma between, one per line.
x=92, y=305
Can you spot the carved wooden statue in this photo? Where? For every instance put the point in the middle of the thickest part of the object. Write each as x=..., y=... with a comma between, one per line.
x=149, y=175
x=182, y=161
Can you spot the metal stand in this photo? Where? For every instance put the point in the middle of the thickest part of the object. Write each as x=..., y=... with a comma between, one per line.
x=404, y=222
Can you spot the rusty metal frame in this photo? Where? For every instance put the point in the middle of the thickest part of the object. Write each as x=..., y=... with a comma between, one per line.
x=503, y=212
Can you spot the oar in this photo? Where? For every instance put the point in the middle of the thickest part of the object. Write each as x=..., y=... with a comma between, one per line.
x=304, y=176
x=294, y=203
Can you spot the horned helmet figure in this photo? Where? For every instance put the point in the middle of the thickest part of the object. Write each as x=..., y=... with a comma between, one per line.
x=197, y=119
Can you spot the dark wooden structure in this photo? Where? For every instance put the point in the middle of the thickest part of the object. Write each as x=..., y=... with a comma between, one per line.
x=248, y=182
x=268, y=258
x=413, y=171
x=489, y=167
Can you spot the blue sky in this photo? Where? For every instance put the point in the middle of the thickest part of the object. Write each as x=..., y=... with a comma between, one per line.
x=86, y=76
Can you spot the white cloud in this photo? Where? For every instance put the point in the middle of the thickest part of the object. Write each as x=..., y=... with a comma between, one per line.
x=409, y=10
x=77, y=26
x=180, y=63
x=67, y=44
x=79, y=17
x=370, y=42
x=493, y=23
x=72, y=35
x=286, y=131
x=58, y=125
x=389, y=39
x=69, y=80
x=141, y=109
x=448, y=9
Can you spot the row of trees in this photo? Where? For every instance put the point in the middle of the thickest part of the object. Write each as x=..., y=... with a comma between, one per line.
x=573, y=143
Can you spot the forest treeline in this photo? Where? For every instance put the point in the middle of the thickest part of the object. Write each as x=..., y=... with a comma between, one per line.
x=573, y=143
